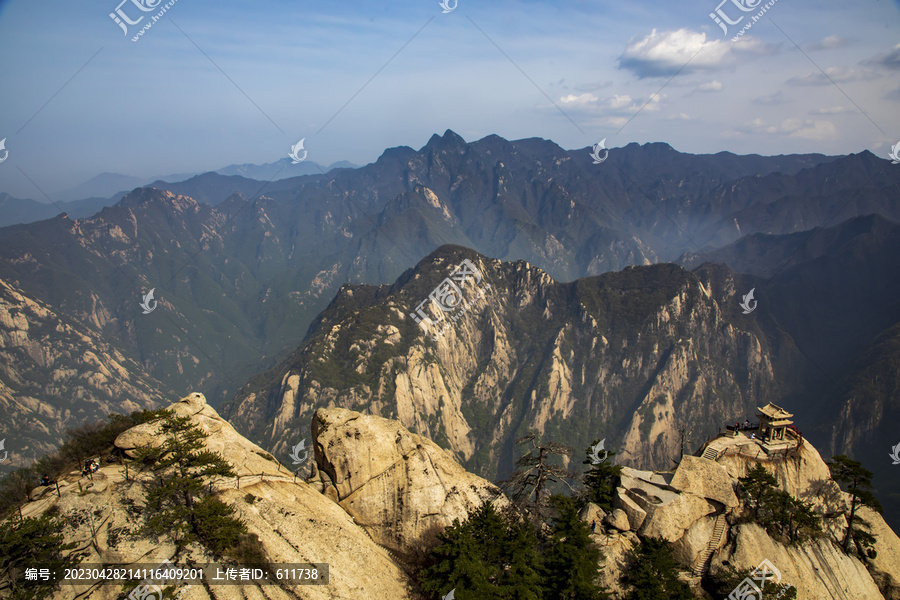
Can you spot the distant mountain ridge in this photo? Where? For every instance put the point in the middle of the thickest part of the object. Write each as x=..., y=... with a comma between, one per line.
x=241, y=279
x=633, y=357
x=270, y=256
x=106, y=189
x=15, y=211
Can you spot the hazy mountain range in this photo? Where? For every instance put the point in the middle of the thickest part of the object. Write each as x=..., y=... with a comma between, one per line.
x=646, y=358
x=106, y=189
x=242, y=270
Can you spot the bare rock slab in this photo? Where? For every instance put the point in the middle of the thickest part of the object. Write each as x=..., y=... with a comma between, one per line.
x=705, y=478
x=399, y=486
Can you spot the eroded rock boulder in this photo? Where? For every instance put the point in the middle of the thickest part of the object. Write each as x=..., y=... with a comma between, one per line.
x=294, y=522
x=402, y=488
x=591, y=513
x=618, y=520
x=615, y=546
x=704, y=478
x=671, y=519
x=245, y=457
x=695, y=540
x=636, y=515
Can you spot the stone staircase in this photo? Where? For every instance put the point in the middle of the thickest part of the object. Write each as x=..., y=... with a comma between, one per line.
x=702, y=563
x=710, y=453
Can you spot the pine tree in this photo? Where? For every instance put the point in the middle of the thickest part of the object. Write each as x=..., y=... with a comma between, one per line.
x=570, y=558
x=32, y=543
x=651, y=573
x=178, y=503
x=791, y=516
x=601, y=480
x=723, y=582
x=180, y=464
x=535, y=470
x=490, y=556
x=756, y=487
x=776, y=509
x=858, y=480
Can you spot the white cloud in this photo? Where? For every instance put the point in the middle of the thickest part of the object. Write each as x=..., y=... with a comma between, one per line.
x=816, y=130
x=772, y=99
x=666, y=53
x=829, y=110
x=617, y=104
x=618, y=101
x=712, y=86
x=586, y=99
x=835, y=74
x=829, y=43
x=889, y=60
x=809, y=129
x=611, y=111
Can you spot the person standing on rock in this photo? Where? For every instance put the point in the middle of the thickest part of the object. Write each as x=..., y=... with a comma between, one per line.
x=593, y=526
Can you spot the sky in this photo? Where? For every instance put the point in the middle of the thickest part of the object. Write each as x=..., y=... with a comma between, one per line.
x=211, y=84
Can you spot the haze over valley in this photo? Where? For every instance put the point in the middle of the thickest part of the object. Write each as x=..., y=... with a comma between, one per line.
x=615, y=284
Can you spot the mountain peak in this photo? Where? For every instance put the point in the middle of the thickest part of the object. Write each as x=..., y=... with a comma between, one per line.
x=651, y=147
x=449, y=141
x=150, y=195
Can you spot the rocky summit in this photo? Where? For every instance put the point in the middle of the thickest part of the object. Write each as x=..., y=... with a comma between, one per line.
x=293, y=520
x=373, y=492
x=654, y=359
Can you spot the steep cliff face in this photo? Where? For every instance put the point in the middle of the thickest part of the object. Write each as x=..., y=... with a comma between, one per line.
x=295, y=522
x=55, y=374
x=400, y=487
x=633, y=357
x=817, y=569
x=819, y=566
x=695, y=509
x=378, y=490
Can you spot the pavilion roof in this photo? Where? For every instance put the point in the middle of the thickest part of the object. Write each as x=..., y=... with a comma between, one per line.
x=774, y=412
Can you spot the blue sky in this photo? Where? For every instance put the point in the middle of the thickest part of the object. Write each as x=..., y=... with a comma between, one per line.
x=218, y=83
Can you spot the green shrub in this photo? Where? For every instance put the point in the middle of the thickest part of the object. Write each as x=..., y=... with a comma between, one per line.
x=216, y=526
x=32, y=543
